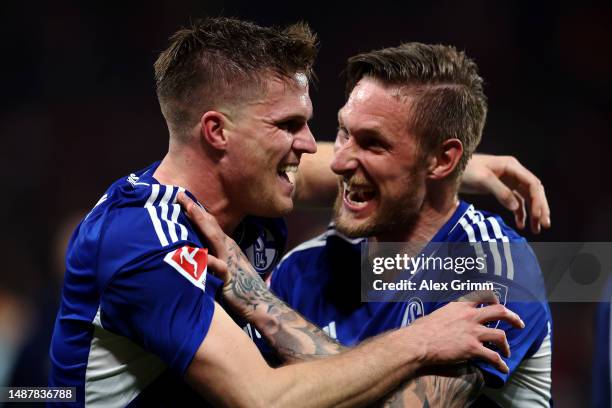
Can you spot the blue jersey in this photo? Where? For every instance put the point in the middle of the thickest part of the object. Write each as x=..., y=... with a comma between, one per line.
x=321, y=280
x=137, y=300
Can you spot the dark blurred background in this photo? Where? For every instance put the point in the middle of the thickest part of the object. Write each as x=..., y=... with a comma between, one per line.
x=78, y=110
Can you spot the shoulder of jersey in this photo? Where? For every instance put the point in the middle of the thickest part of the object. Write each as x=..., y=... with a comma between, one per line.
x=504, y=248
x=318, y=244
x=131, y=208
x=481, y=226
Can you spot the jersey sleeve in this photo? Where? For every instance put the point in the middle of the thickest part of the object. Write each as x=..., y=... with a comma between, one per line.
x=523, y=342
x=159, y=296
x=521, y=289
x=514, y=272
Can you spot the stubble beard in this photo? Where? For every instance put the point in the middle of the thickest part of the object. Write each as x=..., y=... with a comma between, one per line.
x=391, y=217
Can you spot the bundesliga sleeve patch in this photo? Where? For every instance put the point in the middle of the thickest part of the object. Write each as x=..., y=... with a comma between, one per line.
x=191, y=263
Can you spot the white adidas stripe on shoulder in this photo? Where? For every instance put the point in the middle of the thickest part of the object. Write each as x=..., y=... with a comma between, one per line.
x=499, y=236
x=476, y=226
x=153, y=214
x=471, y=233
x=165, y=206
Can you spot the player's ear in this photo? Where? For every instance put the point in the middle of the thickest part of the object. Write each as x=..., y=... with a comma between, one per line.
x=445, y=159
x=213, y=125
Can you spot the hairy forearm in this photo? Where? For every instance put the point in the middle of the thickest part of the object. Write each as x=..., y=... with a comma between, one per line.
x=456, y=386
x=351, y=378
x=360, y=375
x=229, y=372
x=293, y=337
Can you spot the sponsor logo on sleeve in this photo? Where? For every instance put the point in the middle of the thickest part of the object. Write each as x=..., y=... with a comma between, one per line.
x=190, y=262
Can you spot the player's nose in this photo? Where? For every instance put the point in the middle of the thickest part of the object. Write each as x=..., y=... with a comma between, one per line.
x=304, y=141
x=345, y=159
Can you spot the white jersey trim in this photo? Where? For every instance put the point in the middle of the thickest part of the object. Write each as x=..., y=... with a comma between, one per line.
x=118, y=370
x=168, y=213
x=476, y=226
x=529, y=385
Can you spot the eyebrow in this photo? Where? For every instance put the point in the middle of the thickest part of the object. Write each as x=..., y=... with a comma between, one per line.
x=369, y=131
x=295, y=117
x=369, y=135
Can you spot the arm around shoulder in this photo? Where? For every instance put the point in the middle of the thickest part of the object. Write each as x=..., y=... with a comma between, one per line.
x=228, y=370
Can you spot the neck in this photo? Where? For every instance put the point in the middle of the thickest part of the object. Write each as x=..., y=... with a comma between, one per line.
x=188, y=167
x=437, y=208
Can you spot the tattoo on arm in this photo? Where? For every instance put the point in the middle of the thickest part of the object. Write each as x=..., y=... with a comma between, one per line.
x=443, y=387
x=293, y=337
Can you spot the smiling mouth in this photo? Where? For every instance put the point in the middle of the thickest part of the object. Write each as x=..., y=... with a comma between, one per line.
x=287, y=173
x=358, y=196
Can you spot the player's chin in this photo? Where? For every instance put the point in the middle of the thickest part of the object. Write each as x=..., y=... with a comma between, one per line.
x=286, y=207
x=280, y=206
x=353, y=227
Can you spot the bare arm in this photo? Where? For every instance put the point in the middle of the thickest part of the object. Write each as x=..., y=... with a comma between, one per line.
x=228, y=371
x=331, y=383
x=512, y=184
x=442, y=387
x=293, y=337
x=316, y=184
x=453, y=333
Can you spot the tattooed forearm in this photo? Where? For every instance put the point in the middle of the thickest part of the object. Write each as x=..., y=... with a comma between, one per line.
x=442, y=387
x=293, y=337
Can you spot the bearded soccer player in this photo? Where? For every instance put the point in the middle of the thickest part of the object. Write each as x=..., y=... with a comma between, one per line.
x=413, y=118
x=140, y=322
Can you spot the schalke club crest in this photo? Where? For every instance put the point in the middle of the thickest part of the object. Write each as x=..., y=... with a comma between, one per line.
x=414, y=310
x=263, y=252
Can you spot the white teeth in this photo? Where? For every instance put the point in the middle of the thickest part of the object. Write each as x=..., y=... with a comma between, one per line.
x=357, y=204
x=356, y=189
x=356, y=195
x=289, y=168
x=291, y=176
x=289, y=171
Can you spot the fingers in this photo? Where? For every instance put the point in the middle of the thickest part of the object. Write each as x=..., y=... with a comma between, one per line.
x=540, y=211
x=479, y=297
x=510, y=199
x=217, y=267
x=492, y=358
x=520, y=214
x=530, y=187
x=185, y=202
x=499, y=312
x=204, y=222
x=502, y=193
x=496, y=337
